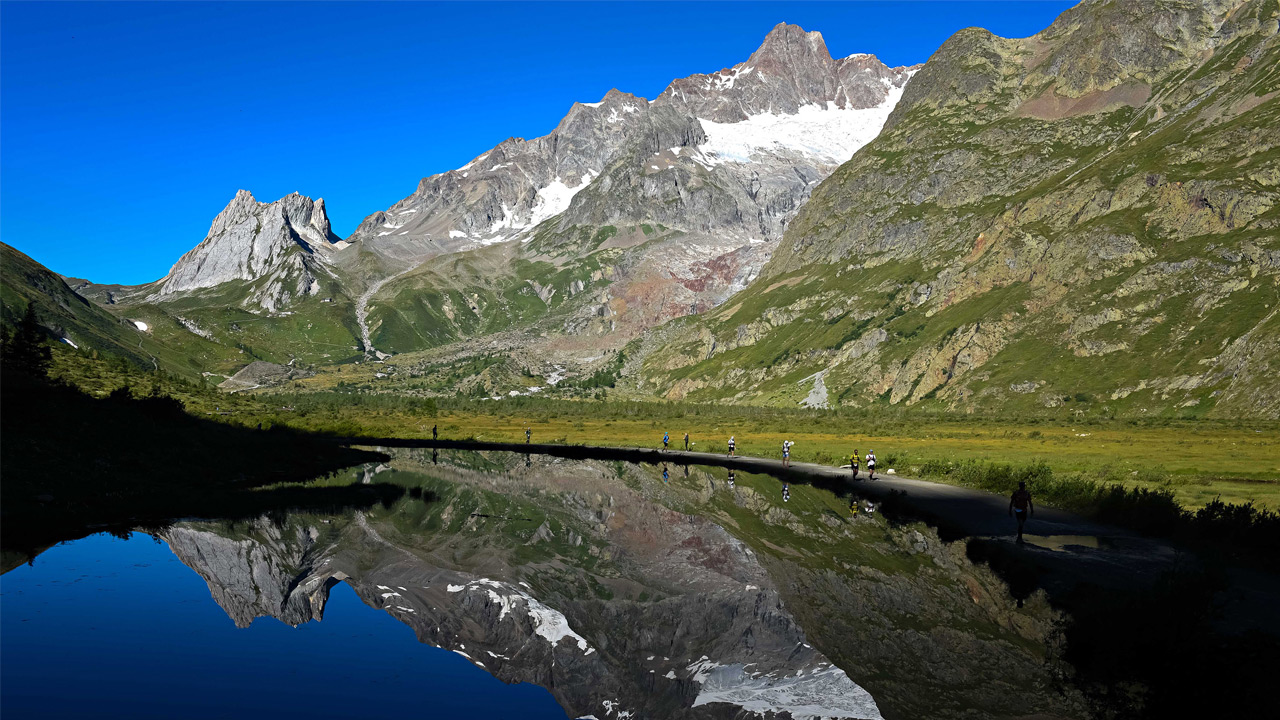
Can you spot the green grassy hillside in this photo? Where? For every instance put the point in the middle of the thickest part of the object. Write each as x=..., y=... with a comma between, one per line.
x=1084, y=222
x=91, y=328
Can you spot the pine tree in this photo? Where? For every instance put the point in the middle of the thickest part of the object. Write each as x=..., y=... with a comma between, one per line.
x=28, y=349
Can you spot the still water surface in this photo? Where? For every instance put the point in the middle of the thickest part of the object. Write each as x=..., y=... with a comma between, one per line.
x=104, y=627
x=503, y=586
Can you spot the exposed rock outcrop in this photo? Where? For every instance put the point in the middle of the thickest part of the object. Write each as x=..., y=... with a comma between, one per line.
x=279, y=249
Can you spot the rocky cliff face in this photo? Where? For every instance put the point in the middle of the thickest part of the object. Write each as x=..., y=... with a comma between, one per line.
x=267, y=574
x=280, y=249
x=518, y=184
x=640, y=211
x=507, y=191
x=1084, y=216
x=791, y=70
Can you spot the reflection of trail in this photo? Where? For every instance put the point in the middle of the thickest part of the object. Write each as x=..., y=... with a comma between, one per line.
x=960, y=511
x=362, y=310
x=1122, y=560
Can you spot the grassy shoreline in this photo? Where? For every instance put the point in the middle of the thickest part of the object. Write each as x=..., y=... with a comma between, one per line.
x=1197, y=460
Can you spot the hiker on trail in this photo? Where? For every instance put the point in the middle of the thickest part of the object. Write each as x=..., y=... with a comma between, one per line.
x=786, y=453
x=434, y=434
x=853, y=463
x=730, y=479
x=686, y=442
x=528, y=435
x=666, y=439
x=1020, y=506
x=732, y=444
x=871, y=464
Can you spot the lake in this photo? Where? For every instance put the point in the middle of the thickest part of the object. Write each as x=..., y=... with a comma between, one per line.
x=500, y=585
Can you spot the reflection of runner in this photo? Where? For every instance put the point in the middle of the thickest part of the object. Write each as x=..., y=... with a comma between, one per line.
x=1020, y=506
x=666, y=476
x=730, y=479
x=786, y=492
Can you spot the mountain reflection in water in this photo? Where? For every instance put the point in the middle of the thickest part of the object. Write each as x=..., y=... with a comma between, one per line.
x=625, y=596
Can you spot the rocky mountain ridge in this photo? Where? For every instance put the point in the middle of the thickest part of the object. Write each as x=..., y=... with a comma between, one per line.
x=664, y=212
x=1039, y=227
x=629, y=213
x=509, y=190
x=281, y=248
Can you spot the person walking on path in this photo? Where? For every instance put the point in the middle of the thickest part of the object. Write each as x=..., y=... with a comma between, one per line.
x=1020, y=506
x=528, y=435
x=871, y=464
x=732, y=444
x=434, y=434
x=666, y=440
x=853, y=463
x=786, y=453
x=686, y=442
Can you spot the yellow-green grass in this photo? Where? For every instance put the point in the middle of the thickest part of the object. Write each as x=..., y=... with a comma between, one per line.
x=1198, y=461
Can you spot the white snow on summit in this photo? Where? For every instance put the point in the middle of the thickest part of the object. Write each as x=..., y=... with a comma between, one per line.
x=827, y=133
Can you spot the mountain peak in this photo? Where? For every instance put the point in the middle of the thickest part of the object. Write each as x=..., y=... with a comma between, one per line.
x=250, y=240
x=791, y=69
x=789, y=43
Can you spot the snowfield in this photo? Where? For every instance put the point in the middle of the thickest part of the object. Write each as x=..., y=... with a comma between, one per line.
x=547, y=622
x=829, y=133
x=821, y=693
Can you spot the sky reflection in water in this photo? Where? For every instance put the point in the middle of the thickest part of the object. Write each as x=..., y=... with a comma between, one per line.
x=104, y=627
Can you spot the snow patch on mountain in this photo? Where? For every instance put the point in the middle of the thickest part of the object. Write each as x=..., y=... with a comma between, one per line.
x=827, y=133
x=821, y=693
x=555, y=198
x=547, y=622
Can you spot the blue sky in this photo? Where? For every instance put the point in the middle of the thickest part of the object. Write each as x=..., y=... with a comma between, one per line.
x=125, y=127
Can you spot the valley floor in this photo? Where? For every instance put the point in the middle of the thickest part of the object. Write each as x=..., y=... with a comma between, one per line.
x=1197, y=461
